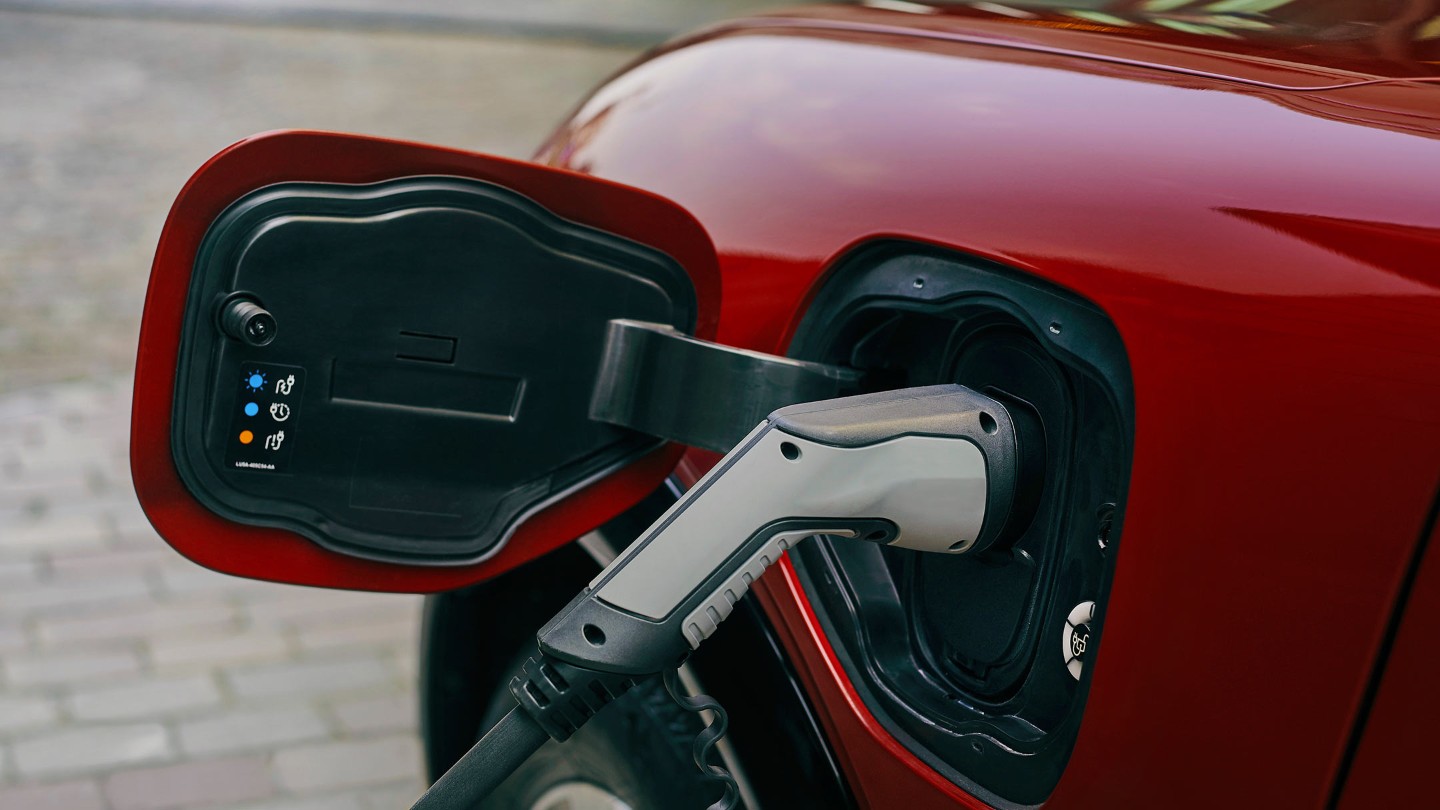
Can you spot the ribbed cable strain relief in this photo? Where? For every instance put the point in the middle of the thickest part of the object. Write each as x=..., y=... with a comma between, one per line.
x=562, y=697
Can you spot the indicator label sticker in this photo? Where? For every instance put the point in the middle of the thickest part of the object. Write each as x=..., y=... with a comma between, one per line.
x=266, y=419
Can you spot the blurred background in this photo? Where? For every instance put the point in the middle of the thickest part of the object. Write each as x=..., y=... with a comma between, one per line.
x=131, y=679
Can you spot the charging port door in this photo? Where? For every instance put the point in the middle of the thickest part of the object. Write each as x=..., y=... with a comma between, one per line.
x=371, y=364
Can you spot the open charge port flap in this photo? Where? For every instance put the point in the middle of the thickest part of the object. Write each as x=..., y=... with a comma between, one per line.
x=449, y=334
x=459, y=356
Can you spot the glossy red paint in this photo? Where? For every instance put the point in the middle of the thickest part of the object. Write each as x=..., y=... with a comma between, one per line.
x=284, y=556
x=1300, y=43
x=1393, y=766
x=882, y=770
x=1267, y=256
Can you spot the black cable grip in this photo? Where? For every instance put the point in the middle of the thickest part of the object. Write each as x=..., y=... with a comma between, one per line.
x=561, y=697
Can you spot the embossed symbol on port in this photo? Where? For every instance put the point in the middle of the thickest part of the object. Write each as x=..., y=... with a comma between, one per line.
x=272, y=442
x=1075, y=640
x=279, y=411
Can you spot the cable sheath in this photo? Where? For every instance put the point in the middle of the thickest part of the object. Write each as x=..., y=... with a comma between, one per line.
x=503, y=749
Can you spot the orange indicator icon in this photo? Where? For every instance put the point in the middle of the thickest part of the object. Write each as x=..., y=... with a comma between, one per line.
x=246, y=437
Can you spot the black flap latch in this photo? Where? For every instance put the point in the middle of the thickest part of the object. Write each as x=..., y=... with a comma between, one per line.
x=658, y=381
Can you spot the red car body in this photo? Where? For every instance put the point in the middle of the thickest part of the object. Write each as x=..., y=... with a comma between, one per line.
x=1254, y=207
x=1261, y=224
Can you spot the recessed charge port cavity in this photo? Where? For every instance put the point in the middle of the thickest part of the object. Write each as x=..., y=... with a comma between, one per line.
x=977, y=660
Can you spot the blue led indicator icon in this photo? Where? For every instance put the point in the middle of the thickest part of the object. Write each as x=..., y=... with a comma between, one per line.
x=251, y=409
x=254, y=381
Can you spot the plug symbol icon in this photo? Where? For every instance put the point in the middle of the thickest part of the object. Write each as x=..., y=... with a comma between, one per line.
x=279, y=411
x=272, y=442
x=282, y=387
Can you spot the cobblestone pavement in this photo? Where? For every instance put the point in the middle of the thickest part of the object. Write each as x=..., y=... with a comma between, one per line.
x=131, y=679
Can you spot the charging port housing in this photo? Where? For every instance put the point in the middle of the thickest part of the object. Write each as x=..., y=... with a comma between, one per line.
x=971, y=660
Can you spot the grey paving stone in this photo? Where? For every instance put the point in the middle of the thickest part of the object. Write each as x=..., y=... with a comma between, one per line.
x=131, y=528
x=73, y=531
x=19, y=713
x=14, y=572
x=191, y=784
x=50, y=668
x=97, y=499
x=89, y=748
x=79, y=795
x=150, y=621
x=61, y=452
x=11, y=513
x=315, y=606
x=402, y=633
x=343, y=802
x=322, y=677
x=12, y=637
x=21, y=480
x=28, y=469
x=212, y=650
x=408, y=663
x=112, y=563
x=248, y=730
x=385, y=713
x=340, y=765
x=153, y=697
x=103, y=498
x=54, y=597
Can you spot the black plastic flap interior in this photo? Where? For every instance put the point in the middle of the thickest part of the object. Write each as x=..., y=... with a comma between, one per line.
x=436, y=343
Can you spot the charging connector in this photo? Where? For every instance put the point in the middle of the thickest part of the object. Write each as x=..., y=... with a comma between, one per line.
x=934, y=469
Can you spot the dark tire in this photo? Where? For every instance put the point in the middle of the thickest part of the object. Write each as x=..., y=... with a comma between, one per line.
x=637, y=749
